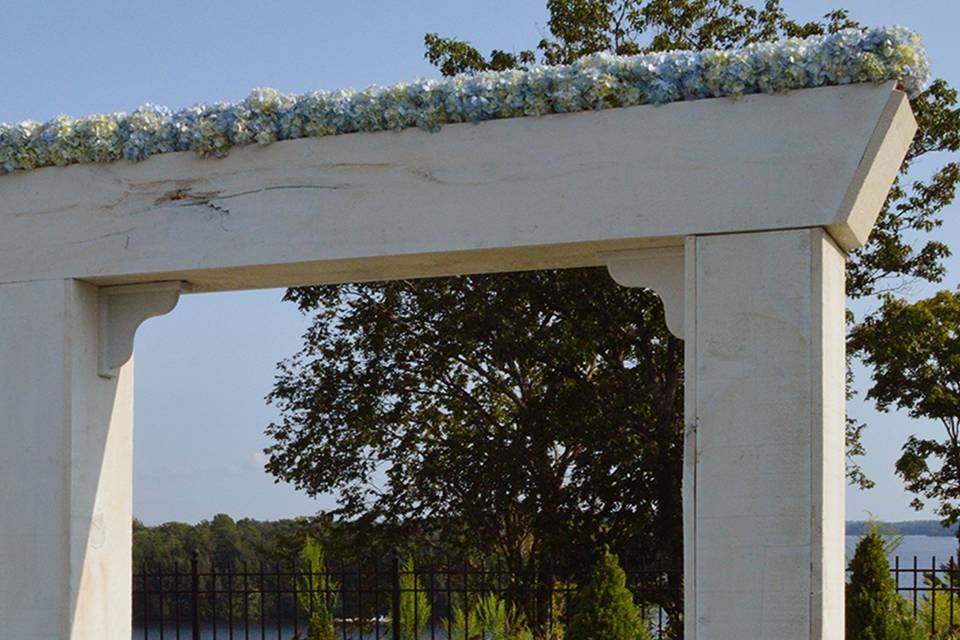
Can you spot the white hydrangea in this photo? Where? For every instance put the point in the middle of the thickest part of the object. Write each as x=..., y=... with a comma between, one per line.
x=595, y=82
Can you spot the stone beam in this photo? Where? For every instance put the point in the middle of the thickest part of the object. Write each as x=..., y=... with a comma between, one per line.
x=526, y=193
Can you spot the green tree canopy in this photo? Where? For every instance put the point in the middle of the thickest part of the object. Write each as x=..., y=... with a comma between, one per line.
x=536, y=428
x=914, y=349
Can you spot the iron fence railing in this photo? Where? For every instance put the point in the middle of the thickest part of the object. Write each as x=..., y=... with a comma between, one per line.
x=931, y=587
x=201, y=602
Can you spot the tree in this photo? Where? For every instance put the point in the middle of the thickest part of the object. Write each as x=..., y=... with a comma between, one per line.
x=541, y=413
x=875, y=611
x=229, y=550
x=898, y=249
x=914, y=350
x=540, y=429
x=605, y=609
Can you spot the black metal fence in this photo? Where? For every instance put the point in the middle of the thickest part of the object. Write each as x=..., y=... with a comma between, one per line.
x=448, y=600
x=931, y=588
x=276, y=602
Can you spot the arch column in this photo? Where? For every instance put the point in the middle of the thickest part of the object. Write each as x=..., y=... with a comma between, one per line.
x=66, y=457
x=764, y=476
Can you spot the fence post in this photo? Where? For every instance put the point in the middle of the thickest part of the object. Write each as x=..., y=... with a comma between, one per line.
x=395, y=607
x=195, y=593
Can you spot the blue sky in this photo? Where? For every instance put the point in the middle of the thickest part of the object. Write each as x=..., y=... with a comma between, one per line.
x=203, y=371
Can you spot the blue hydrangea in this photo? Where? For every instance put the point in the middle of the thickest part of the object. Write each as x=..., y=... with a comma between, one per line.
x=594, y=82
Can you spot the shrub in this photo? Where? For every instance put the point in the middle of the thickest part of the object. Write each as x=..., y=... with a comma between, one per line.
x=940, y=607
x=321, y=625
x=491, y=618
x=317, y=592
x=558, y=610
x=415, y=609
x=605, y=610
x=875, y=611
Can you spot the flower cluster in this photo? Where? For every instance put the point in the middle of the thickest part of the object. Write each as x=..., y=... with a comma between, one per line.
x=594, y=82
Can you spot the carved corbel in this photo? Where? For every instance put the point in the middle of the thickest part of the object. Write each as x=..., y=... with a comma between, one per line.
x=122, y=310
x=660, y=269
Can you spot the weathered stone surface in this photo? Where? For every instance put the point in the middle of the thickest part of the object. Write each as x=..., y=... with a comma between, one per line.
x=527, y=193
x=766, y=353
x=66, y=456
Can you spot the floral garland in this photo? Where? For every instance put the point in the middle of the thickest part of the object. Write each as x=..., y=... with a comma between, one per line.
x=594, y=82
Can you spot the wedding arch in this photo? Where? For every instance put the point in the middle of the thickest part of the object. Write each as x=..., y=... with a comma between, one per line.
x=732, y=183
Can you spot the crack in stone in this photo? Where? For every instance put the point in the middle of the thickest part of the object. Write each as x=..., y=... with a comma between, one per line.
x=184, y=197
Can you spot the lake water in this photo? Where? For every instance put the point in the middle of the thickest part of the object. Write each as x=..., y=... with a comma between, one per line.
x=922, y=552
x=925, y=548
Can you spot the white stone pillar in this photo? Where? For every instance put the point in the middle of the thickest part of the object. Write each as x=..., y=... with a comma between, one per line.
x=764, y=329
x=65, y=469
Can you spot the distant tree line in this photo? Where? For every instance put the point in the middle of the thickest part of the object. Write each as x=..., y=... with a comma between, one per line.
x=221, y=541
x=225, y=542
x=908, y=528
